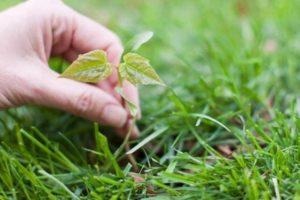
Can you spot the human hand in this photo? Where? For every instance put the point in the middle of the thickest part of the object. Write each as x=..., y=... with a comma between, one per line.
x=35, y=30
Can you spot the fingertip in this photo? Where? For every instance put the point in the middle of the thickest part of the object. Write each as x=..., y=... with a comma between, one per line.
x=114, y=52
x=114, y=115
x=135, y=132
x=129, y=126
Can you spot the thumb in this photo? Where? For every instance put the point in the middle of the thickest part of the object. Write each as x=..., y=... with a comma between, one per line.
x=80, y=99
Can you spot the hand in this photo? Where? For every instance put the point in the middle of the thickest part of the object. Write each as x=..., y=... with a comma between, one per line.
x=35, y=30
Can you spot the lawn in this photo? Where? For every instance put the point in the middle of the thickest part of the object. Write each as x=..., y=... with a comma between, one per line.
x=228, y=128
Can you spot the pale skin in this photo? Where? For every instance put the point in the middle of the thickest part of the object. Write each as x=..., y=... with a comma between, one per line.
x=34, y=31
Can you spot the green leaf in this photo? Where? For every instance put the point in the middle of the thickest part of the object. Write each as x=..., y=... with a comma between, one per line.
x=132, y=108
x=91, y=67
x=137, y=70
x=140, y=39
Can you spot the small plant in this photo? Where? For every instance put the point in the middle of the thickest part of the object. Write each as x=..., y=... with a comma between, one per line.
x=94, y=67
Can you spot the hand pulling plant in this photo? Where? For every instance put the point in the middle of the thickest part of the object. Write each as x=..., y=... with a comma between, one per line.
x=94, y=67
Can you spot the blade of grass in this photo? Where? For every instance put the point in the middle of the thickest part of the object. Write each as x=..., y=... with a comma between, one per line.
x=147, y=139
x=59, y=183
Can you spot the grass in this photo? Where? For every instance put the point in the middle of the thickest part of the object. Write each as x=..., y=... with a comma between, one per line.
x=232, y=65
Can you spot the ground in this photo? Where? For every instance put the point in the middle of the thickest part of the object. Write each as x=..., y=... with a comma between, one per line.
x=227, y=128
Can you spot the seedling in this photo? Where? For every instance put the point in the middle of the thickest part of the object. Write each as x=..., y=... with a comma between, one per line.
x=94, y=67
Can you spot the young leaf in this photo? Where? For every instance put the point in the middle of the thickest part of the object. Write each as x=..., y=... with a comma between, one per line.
x=132, y=108
x=141, y=39
x=137, y=70
x=91, y=67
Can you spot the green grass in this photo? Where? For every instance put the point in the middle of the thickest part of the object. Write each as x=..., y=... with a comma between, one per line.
x=213, y=54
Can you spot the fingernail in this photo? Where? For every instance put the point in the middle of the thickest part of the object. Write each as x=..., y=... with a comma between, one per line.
x=115, y=116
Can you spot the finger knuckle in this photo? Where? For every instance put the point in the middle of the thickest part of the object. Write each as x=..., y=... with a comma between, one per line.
x=84, y=103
